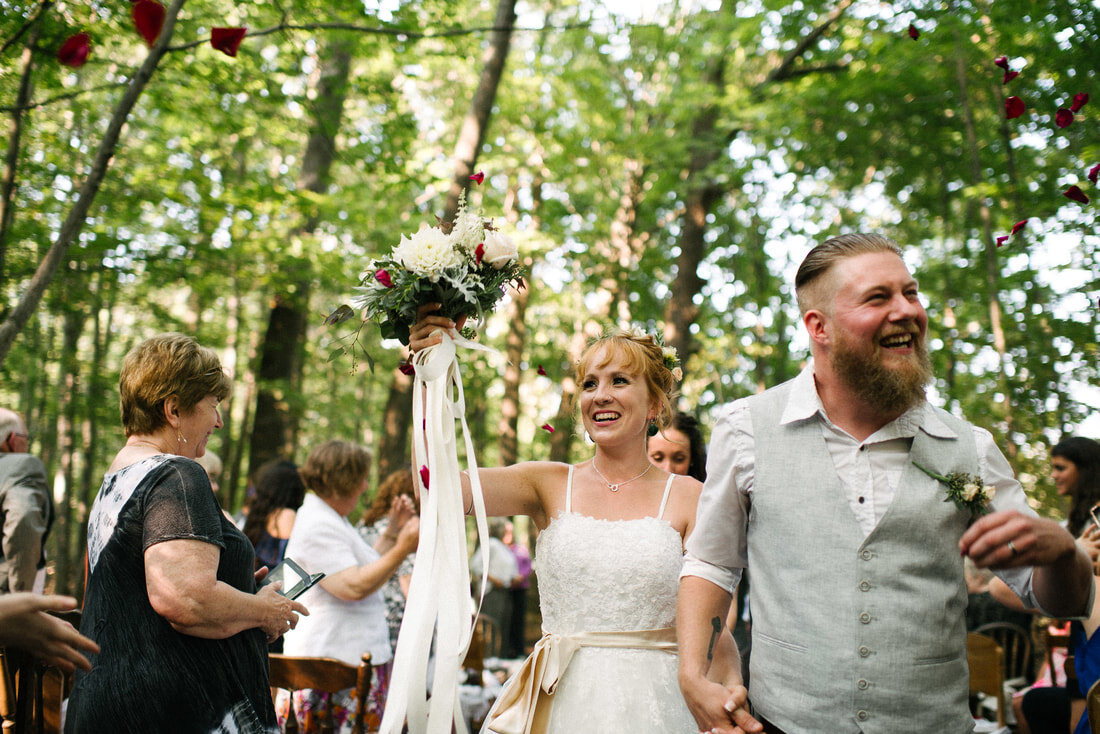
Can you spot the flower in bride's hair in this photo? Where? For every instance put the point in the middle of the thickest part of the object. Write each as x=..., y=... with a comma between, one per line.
x=639, y=333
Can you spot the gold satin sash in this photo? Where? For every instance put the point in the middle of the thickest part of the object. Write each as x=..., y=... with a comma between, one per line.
x=524, y=704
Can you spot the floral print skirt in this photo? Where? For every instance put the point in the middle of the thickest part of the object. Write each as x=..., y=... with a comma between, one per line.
x=309, y=705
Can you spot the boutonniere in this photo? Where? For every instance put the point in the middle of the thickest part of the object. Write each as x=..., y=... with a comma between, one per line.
x=967, y=491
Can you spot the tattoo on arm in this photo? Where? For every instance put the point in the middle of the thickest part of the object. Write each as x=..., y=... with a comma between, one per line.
x=716, y=624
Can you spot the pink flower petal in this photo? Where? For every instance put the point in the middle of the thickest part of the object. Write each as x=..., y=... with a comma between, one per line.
x=1076, y=194
x=1014, y=107
x=1019, y=225
x=1002, y=239
x=1063, y=118
x=149, y=19
x=1009, y=76
x=1001, y=61
x=478, y=177
x=913, y=32
x=547, y=427
x=1094, y=173
x=424, y=476
x=1079, y=100
x=542, y=371
x=383, y=277
x=227, y=40
x=74, y=52
x=406, y=369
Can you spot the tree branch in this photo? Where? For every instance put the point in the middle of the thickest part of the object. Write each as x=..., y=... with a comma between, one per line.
x=785, y=69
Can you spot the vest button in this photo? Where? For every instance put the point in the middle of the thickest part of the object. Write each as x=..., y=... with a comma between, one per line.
x=866, y=555
x=862, y=715
x=864, y=651
x=865, y=618
x=864, y=585
x=863, y=685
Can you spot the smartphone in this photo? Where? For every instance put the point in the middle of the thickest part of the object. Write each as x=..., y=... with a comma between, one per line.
x=1095, y=516
x=296, y=580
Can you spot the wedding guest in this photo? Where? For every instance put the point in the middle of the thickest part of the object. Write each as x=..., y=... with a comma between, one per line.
x=679, y=448
x=392, y=507
x=278, y=493
x=503, y=570
x=347, y=610
x=171, y=596
x=815, y=486
x=26, y=624
x=1075, y=468
x=212, y=463
x=26, y=509
x=608, y=555
x=516, y=642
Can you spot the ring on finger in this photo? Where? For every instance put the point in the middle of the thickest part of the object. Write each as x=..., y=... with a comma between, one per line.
x=1013, y=549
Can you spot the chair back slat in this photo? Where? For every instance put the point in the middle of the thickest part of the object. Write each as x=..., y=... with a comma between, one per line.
x=294, y=673
x=986, y=661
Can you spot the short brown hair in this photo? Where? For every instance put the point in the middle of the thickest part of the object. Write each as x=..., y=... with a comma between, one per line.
x=821, y=259
x=641, y=355
x=336, y=468
x=396, y=484
x=163, y=366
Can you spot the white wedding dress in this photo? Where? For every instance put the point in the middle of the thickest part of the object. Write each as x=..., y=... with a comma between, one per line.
x=598, y=576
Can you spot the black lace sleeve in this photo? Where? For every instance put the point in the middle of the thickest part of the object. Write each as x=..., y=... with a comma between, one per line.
x=181, y=506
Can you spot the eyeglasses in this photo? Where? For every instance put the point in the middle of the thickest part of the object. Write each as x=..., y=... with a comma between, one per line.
x=25, y=436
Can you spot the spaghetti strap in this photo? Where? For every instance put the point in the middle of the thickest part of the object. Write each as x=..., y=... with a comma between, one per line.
x=569, y=490
x=664, y=500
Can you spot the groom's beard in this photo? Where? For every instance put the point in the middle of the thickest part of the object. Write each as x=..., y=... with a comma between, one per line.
x=888, y=390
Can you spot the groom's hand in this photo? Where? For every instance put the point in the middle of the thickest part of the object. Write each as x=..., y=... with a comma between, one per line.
x=719, y=710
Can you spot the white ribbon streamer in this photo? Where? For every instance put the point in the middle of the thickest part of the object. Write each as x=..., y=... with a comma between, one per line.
x=439, y=605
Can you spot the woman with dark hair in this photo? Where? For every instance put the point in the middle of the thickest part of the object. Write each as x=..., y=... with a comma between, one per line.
x=679, y=448
x=1075, y=468
x=279, y=493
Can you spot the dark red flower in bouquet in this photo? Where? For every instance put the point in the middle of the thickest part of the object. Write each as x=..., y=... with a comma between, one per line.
x=1002, y=239
x=479, y=253
x=383, y=277
x=541, y=371
x=1079, y=100
x=1094, y=173
x=1014, y=107
x=1009, y=76
x=1001, y=61
x=478, y=177
x=1063, y=118
x=547, y=427
x=1076, y=194
x=149, y=19
x=424, y=476
x=1019, y=225
x=913, y=32
x=227, y=40
x=406, y=369
x=74, y=52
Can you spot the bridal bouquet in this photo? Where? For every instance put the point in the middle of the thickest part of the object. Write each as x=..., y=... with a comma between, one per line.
x=464, y=265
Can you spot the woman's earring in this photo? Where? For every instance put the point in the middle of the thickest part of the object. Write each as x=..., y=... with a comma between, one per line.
x=651, y=430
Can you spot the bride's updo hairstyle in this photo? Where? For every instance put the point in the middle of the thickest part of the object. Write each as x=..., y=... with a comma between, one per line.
x=641, y=354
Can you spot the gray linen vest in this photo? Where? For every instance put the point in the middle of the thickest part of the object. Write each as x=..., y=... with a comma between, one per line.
x=852, y=634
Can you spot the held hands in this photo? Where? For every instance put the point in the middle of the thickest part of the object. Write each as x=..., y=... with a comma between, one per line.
x=26, y=624
x=1010, y=539
x=718, y=709
x=425, y=332
x=280, y=614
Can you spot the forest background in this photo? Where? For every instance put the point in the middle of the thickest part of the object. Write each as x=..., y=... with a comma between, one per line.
x=664, y=163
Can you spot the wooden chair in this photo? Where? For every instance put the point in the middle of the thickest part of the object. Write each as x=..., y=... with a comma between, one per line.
x=322, y=674
x=1092, y=707
x=987, y=673
x=1016, y=643
x=492, y=643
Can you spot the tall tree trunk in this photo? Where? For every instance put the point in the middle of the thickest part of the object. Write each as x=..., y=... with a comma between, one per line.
x=274, y=432
x=68, y=428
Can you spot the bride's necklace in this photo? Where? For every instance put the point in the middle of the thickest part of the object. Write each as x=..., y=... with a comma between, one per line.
x=614, y=486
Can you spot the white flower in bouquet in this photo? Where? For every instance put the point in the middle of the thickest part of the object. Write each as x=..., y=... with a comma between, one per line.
x=500, y=251
x=467, y=232
x=428, y=252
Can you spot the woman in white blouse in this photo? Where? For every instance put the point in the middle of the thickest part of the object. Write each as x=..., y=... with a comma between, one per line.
x=348, y=613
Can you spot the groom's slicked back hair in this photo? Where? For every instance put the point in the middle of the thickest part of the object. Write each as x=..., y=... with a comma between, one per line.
x=808, y=281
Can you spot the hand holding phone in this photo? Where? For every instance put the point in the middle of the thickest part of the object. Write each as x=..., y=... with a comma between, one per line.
x=295, y=579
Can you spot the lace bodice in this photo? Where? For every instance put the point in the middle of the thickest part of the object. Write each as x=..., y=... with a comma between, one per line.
x=597, y=575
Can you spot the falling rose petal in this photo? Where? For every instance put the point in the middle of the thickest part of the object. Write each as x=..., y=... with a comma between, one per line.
x=149, y=19
x=227, y=40
x=479, y=252
x=542, y=371
x=1002, y=239
x=1079, y=100
x=1014, y=107
x=478, y=177
x=1063, y=118
x=1094, y=173
x=1009, y=76
x=913, y=32
x=407, y=369
x=383, y=277
x=1001, y=61
x=1019, y=225
x=1076, y=194
x=424, y=476
x=547, y=427
x=74, y=52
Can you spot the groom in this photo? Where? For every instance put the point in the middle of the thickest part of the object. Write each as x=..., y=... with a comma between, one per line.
x=856, y=554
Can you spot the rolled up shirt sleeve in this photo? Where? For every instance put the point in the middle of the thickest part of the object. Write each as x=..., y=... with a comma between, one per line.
x=717, y=548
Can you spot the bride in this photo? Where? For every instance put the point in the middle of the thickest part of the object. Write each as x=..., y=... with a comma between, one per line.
x=608, y=558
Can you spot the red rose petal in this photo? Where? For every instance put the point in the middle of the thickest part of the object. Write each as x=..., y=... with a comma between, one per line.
x=227, y=40
x=542, y=371
x=149, y=19
x=1001, y=61
x=1014, y=107
x=913, y=32
x=1002, y=239
x=1094, y=173
x=1063, y=118
x=478, y=177
x=407, y=369
x=479, y=252
x=1019, y=225
x=1009, y=76
x=74, y=52
x=547, y=427
x=424, y=476
x=383, y=277
x=1076, y=194
x=1079, y=100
